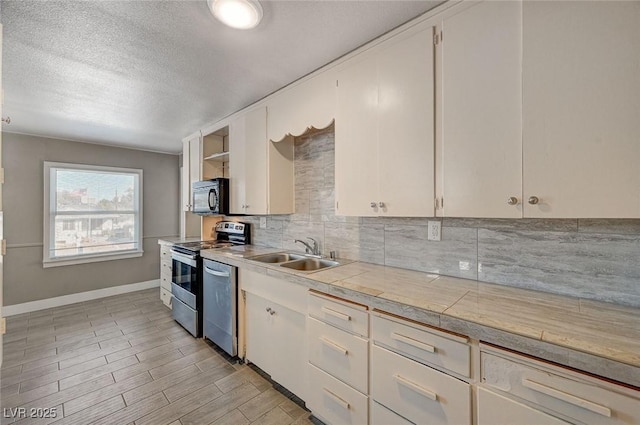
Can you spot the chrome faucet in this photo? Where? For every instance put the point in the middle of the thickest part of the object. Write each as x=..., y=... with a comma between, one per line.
x=313, y=250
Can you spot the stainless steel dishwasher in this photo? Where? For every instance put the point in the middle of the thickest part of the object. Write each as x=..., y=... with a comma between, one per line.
x=220, y=305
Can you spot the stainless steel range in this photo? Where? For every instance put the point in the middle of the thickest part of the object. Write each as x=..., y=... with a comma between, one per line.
x=187, y=280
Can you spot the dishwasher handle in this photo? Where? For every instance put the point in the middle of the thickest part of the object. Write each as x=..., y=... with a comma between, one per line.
x=217, y=273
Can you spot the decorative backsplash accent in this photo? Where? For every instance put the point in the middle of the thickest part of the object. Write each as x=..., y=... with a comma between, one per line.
x=595, y=259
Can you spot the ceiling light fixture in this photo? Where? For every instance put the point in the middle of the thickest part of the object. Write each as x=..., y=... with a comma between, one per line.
x=240, y=14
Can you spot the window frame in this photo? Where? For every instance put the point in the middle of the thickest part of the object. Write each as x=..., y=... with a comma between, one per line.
x=49, y=214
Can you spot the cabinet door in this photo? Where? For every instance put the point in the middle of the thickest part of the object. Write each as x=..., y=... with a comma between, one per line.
x=356, y=136
x=495, y=409
x=275, y=341
x=581, y=82
x=255, y=161
x=405, y=120
x=259, y=330
x=237, y=179
x=481, y=106
x=289, y=349
x=186, y=177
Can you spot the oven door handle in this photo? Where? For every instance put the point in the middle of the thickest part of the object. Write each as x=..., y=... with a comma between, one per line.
x=216, y=273
x=184, y=258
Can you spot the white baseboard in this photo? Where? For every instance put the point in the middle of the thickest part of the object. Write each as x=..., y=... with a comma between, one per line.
x=12, y=310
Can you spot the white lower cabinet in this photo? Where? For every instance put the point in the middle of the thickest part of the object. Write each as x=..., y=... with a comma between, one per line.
x=417, y=392
x=275, y=329
x=411, y=374
x=563, y=393
x=495, y=409
x=338, y=367
x=166, y=265
x=335, y=402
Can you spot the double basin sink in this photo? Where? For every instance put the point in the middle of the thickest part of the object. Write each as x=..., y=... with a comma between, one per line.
x=295, y=261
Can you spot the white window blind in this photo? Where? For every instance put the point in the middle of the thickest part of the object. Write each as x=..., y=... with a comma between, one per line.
x=92, y=213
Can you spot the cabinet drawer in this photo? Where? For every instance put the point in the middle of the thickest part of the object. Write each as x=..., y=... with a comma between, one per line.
x=380, y=415
x=165, y=282
x=417, y=392
x=350, y=317
x=165, y=296
x=339, y=353
x=165, y=268
x=422, y=344
x=494, y=409
x=335, y=402
x=578, y=397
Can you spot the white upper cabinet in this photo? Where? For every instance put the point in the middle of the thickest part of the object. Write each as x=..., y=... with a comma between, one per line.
x=385, y=129
x=481, y=111
x=248, y=163
x=260, y=172
x=311, y=103
x=582, y=109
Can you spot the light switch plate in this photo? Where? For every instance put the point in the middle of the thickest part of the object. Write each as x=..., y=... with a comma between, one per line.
x=263, y=222
x=434, y=230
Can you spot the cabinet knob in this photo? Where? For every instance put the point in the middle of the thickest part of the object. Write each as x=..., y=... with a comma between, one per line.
x=373, y=205
x=512, y=200
x=381, y=204
x=533, y=200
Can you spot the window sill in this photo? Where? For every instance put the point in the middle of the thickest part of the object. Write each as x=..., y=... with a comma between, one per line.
x=71, y=261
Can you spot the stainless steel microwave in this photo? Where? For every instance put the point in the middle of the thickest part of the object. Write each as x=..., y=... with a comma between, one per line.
x=211, y=197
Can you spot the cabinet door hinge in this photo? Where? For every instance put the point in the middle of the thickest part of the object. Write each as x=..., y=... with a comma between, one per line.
x=3, y=326
x=337, y=205
x=336, y=83
x=4, y=247
x=1, y=175
x=439, y=203
x=244, y=295
x=437, y=38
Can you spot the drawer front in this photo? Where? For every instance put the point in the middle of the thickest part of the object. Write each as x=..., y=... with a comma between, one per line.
x=165, y=253
x=350, y=317
x=590, y=401
x=341, y=354
x=165, y=282
x=165, y=268
x=417, y=392
x=165, y=296
x=494, y=409
x=335, y=402
x=380, y=415
x=422, y=344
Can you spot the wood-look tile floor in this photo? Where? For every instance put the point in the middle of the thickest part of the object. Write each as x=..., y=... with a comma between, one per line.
x=124, y=360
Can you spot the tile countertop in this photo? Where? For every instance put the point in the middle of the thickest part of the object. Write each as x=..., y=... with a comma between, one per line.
x=596, y=337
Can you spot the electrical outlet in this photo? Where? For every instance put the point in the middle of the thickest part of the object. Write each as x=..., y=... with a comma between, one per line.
x=263, y=222
x=434, y=230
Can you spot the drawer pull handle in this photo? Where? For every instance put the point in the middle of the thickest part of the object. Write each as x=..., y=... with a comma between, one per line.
x=216, y=273
x=568, y=398
x=333, y=345
x=413, y=342
x=336, y=314
x=417, y=388
x=337, y=399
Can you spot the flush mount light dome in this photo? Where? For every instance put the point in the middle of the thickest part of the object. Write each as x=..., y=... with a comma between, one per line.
x=240, y=14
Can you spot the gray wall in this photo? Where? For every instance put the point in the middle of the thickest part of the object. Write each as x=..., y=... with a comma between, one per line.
x=597, y=259
x=24, y=277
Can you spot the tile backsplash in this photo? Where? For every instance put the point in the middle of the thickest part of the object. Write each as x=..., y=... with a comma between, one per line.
x=596, y=259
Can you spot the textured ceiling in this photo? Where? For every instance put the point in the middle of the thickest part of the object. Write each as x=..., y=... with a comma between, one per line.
x=145, y=74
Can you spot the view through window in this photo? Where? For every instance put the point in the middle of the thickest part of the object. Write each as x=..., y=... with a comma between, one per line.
x=93, y=212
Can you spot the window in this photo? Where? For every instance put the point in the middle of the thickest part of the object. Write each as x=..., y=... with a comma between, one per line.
x=92, y=213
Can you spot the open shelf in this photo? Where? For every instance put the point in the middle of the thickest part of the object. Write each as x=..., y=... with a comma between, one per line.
x=218, y=157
